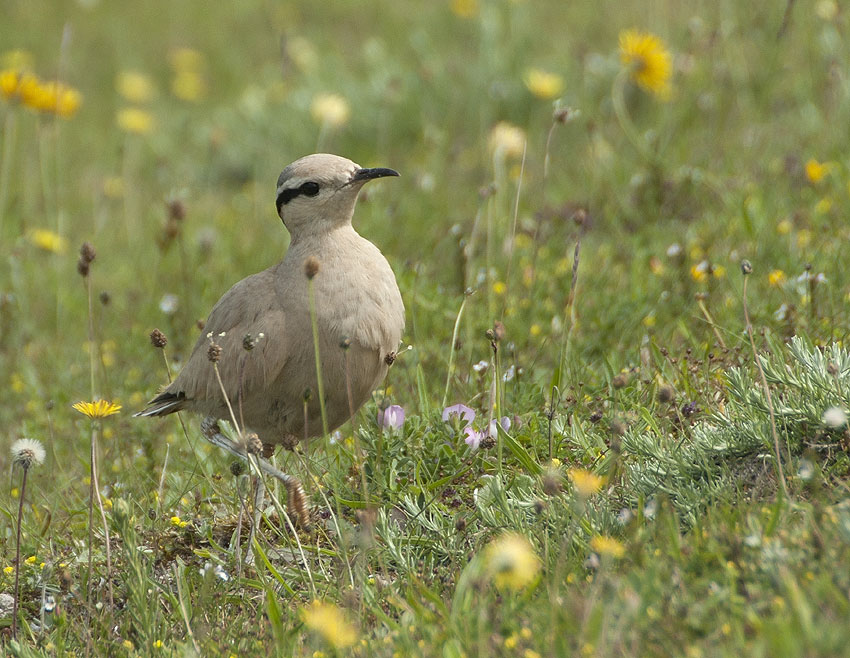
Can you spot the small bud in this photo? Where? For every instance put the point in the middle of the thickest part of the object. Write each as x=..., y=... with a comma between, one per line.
x=345, y=343
x=460, y=524
x=620, y=381
x=214, y=352
x=580, y=217
x=254, y=445
x=249, y=342
x=746, y=267
x=237, y=467
x=104, y=297
x=832, y=368
x=389, y=359
x=311, y=267
x=539, y=506
x=487, y=442
x=552, y=484
x=308, y=393
x=83, y=268
x=158, y=339
x=87, y=252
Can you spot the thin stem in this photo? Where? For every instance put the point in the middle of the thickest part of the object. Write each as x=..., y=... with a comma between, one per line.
x=452, y=351
x=103, y=518
x=9, y=134
x=779, y=469
x=18, y=557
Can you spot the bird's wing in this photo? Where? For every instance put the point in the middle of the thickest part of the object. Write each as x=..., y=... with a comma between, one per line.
x=252, y=309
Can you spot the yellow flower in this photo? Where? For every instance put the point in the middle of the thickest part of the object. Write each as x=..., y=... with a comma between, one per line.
x=507, y=140
x=464, y=8
x=30, y=91
x=823, y=206
x=30, y=559
x=776, y=278
x=128, y=645
x=188, y=86
x=47, y=240
x=135, y=121
x=608, y=546
x=9, y=570
x=699, y=272
x=330, y=109
x=649, y=61
x=9, y=80
x=585, y=482
x=499, y=288
x=157, y=644
x=543, y=84
x=97, y=409
x=511, y=641
x=784, y=227
x=328, y=621
x=511, y=561
x=816, y=171
x=535, y=330
x=135, y=87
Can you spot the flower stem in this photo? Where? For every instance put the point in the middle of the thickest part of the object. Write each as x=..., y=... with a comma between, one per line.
x=18, y=557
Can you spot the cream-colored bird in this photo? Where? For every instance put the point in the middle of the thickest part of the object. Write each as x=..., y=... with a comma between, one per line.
x=263, y=325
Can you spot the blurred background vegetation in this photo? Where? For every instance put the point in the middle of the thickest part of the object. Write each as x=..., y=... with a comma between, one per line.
x=518, y=132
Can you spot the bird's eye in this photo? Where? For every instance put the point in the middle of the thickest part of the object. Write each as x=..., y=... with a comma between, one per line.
x=309, y=188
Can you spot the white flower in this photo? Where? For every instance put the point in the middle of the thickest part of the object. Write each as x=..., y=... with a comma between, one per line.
x=26, y=452
x=168, y=304
x=480, y=366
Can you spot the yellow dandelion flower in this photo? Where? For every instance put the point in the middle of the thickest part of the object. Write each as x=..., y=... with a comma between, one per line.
x=157, y=644
x=511, y=641
x=9, y=81
x=9, y=570
x=699, y=272
x=718, y=271
x=543, y=84
x=47, y=240
x=30, y=559
x=649, y=61
x=188, y=86
x=499, y=288
x=776, y=278
x=816, y=171
x=823, y=206
x=511, y=561
x=30, y=91
x=330, y=110
x=585, y=482
x=535, y=330
x=330, y=623
x=464, y=8
x=507, y=140
x=128, y=645
x=135, y=121
x=530, y=653
x=97, y=409
x=135, y=87
x=784, y=227
x=608, y=546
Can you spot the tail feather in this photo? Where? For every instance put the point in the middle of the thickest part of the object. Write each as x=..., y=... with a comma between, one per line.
x=163, y=404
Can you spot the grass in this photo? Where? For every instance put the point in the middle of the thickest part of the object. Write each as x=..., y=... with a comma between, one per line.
x=660, y=526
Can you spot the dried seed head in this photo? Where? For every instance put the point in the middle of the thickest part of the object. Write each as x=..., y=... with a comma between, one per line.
x=666, y=394
x=237, y=467
x=214, y=352
x=389, y=359
x=552, y=484
x=249, y=342
x=460, y=524
x=311, y=267
x=83, y=268
x=176, y=210
x=253, y=444
x=308, y=394
x=158, y=339
x=832, y=368
x=620, y=381
x=87, y=252
x=746, y=267
x=26, y=452
x=105, y=297
x=564, y=114
x=487, y=442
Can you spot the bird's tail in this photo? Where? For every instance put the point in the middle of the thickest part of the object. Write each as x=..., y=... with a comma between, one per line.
x=163, y=404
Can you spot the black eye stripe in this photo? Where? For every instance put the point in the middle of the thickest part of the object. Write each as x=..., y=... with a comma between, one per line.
x=285, y=196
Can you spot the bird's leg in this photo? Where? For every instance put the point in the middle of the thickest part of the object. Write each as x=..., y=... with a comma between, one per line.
x=296, y=500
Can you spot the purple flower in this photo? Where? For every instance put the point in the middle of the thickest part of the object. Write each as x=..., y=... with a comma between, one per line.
x=473, y=437
x=463, y=412
x=391, y=418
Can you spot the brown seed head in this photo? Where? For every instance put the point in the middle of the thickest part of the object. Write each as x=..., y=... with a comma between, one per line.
x=389, y=359
x=214, y=352
x=666, y=394
x=311, y=267
x=552, y=484
x=487, y=442
x=87, y=252
x=746, y=267
x=249, y=342
x=176, y=210
x=158, y=339
x=237, y=467
x=105, y=297
x=83, y=267
x=620, y=381
x=253, y=444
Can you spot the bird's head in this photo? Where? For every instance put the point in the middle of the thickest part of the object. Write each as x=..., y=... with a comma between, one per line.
x=318, y=192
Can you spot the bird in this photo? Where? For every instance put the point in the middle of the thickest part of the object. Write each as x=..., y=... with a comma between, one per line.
x=259, y=335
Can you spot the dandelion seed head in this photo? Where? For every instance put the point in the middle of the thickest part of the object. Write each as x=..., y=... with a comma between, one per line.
x=26, y=452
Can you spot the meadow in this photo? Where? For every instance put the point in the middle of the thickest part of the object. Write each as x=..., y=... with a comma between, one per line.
x=618, y=421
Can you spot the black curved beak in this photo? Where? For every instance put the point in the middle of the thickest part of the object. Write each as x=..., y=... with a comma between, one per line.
x=368, y=174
